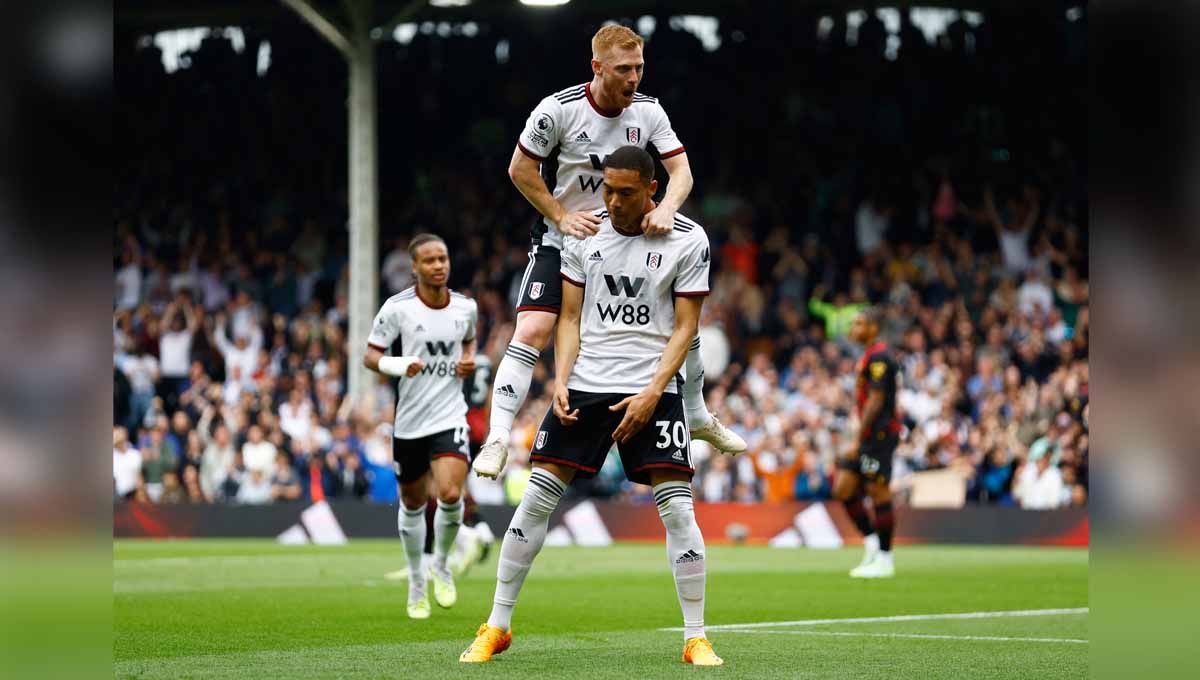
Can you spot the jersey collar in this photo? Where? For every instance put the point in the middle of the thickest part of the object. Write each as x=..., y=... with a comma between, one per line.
x=607, y=113
x=429, y=304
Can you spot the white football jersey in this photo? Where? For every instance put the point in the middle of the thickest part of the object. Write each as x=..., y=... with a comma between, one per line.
x=629, y=288
x=569, y=129
x=432, y=400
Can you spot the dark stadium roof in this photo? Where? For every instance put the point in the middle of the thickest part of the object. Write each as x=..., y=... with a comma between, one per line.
x=155, y=15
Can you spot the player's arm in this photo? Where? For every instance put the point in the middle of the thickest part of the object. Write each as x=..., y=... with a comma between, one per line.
x=384, y=332
x=566, y=349
x=640, y=407
x=525, y=173
x=877, y=373
x=466, y=364
x=661, y=220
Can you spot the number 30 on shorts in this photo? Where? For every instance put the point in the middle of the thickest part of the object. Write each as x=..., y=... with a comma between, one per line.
x=667, y=433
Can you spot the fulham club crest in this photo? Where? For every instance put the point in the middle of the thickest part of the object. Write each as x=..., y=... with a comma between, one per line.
x=653, y=260
x=535, y=290
x=541, y=439
x=633, y=134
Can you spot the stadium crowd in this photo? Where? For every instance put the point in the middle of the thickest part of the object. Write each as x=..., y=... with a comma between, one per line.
x=960, y=210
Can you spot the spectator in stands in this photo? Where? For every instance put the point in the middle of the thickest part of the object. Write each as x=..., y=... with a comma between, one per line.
x=285, y=483
x=127, y=465
x=241, y=356
x=142, y=372
x=1039, y=482
x=255, y=488
x=129, y=281
x=812, y=481
x=258, y=453
x=179, y=321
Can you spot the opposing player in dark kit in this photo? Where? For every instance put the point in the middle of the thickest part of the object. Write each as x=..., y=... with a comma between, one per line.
x=868, y=468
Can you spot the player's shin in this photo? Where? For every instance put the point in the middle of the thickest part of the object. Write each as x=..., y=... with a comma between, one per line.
x=513, y=377
x=522, y=542
x=412, y=535
x=693, y=388
x=685, y=552
x=447, y=521
x=885, y=522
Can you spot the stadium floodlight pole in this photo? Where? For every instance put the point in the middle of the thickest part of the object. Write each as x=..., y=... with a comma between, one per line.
x=359, y=50
x=328, y=28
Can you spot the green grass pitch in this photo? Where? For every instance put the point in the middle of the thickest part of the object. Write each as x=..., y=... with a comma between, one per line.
x=255, y=609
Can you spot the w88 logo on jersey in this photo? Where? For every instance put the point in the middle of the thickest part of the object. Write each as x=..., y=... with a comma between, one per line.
x=630, y=315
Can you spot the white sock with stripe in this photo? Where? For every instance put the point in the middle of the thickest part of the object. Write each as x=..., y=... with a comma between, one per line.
x=513, y=376
x=446, y=522
x=693, y=387
x=412, y=535
x=522, y=542
x=685, y=552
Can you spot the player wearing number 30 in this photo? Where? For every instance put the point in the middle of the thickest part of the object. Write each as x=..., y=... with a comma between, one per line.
x=630, y=309
x=430, y=331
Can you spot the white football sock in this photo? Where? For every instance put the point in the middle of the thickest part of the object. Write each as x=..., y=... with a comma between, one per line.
x=446, y=522
x=522, y=542
x=412, y=535
x=510, y=388
x=871, y=544
x=685, y=552
x=693, y=388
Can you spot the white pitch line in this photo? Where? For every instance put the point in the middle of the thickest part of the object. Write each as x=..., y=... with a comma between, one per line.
x=918, y=636
x=889, y=619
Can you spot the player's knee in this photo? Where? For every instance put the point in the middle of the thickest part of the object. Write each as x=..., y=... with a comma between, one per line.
x=843, y=486
x=449, y=494
x=535, y=329
x=879, y=493
x=413, y=495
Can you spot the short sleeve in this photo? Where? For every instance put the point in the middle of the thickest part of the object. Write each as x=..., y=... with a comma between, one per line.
x=691, y=278
x=571, y=264
x=542, y=130
x=385, y=329
x=472, y=322
x=663, y=137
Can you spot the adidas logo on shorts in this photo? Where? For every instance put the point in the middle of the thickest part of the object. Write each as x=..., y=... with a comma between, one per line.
x=596, y=257
x=689, y=556
x=583, y=137
x=678, y=455
x=507, y=391
x=419, y=328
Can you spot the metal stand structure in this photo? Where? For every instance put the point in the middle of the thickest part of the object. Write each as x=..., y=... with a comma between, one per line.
x=357, y=45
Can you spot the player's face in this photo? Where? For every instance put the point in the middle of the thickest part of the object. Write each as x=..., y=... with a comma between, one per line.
x=861, y=329
x=626, y=196
x=432, y=264
x=621, y=73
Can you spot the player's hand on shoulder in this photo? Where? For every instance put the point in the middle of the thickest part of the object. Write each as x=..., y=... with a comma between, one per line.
x=658, y=222
x=466, y=366
x=414, y=368
x=581, y=224
x=562, y=406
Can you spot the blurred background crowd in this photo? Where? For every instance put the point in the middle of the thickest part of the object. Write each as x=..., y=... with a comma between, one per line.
x=940, y=176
